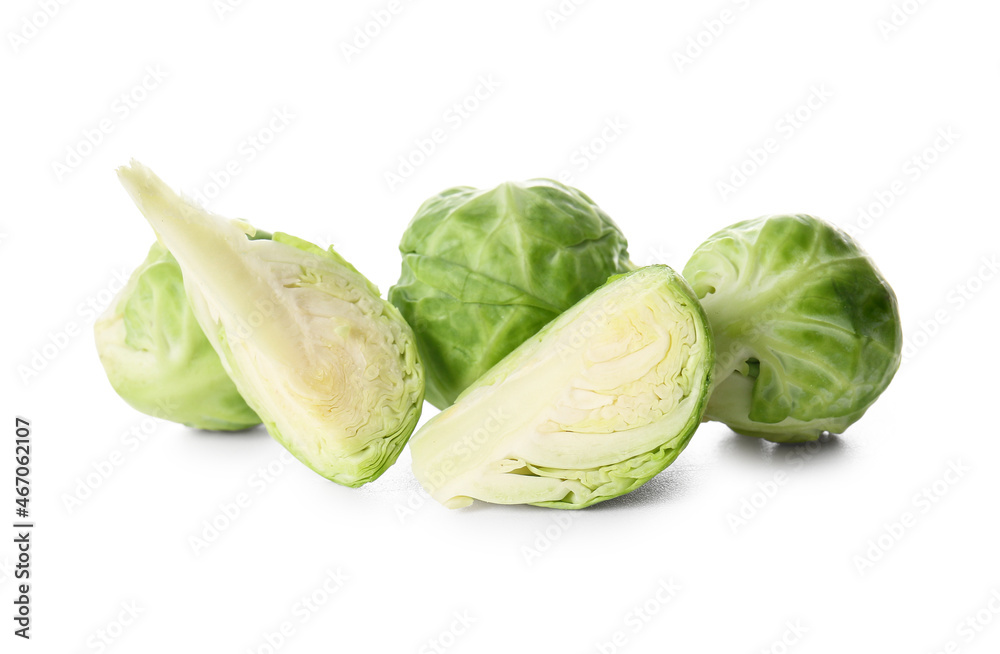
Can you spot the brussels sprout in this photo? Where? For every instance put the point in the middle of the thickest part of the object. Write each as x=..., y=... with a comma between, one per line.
x=807, y=330
x=329, y=366
x=591, y=407
x=484, y=270
x=158, y=359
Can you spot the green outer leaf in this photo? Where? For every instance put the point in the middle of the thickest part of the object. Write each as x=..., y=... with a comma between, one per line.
x=158, y=359
x=484, y=270
x=511, y=436
x=802, y=301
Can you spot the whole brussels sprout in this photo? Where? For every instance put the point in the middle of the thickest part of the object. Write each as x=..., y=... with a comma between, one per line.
x=807, y=330
x=484, y=270
x=329, y=366
x=158, y=359
x=591, y=407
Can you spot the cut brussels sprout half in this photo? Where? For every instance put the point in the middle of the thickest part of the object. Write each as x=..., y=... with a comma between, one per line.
x=594, y=405
x=158, y=359
x=807, y=330
x=329, y=366
x=484, y=270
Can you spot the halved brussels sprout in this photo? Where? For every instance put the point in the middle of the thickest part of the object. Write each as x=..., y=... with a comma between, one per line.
x=591, y=407
x=484, y=270
x=158, y=359
x=330, y=367
x=807, y=330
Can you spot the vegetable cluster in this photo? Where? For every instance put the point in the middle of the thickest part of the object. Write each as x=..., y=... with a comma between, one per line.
x=566, y=375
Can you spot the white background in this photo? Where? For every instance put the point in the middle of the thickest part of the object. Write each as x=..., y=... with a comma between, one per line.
x=527, y=579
